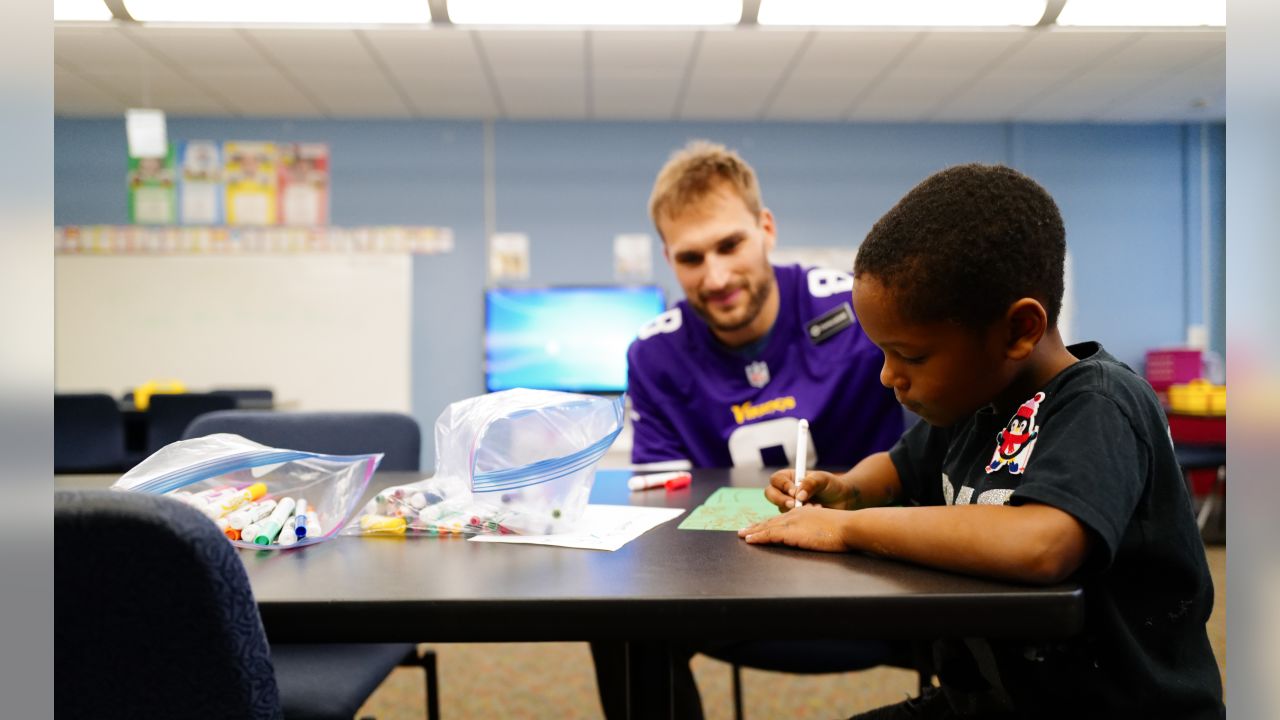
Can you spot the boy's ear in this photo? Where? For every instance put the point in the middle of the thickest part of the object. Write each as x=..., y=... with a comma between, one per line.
x=1026, y=322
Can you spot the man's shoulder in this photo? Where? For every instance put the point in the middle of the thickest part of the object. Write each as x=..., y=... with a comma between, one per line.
x=660, y=336
x=817, y=288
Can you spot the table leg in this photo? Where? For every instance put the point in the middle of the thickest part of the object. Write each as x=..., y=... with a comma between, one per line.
x=649, y=681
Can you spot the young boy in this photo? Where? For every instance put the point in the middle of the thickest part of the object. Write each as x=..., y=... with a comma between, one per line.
x=1036, y=463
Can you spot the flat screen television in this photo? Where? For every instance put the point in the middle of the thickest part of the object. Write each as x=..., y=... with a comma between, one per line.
x=571, y=338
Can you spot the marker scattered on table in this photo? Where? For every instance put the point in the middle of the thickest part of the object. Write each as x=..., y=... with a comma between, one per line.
x=669, y=480
x=802, y=452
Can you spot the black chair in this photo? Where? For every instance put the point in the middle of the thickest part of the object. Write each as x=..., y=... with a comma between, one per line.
x=168, y=415
x=1211, y=515
x=820, y=657
x=154, y=617
x=338, y=433
x=249, y=398
x=88, y=433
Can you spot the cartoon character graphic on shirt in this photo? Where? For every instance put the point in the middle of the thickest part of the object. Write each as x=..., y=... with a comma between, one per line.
x=1016, y=441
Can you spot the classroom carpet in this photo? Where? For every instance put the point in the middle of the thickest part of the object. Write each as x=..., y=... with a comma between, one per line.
x=529, y=681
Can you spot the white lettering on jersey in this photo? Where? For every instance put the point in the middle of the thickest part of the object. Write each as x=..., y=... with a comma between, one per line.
x=746, y=442
x=948, y=491
x=966, y=492
x=825, y=282
x=996, y=496
x=667, y=322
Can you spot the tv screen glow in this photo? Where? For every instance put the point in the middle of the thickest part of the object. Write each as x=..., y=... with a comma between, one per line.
x=564, y=338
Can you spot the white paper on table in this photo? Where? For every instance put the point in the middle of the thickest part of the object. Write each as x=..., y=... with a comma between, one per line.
x=602, y=527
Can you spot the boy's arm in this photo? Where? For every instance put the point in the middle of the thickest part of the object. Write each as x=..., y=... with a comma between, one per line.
x=1032, y=543
x=1028, y=543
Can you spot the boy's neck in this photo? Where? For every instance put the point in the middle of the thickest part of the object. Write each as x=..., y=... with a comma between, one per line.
x=1050, y=357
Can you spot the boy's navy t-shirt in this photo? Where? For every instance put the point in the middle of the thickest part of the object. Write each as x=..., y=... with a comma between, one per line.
x=1094, y=443
x=695, y=401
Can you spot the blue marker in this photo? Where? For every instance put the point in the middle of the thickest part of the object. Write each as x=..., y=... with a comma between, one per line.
x=300, y=519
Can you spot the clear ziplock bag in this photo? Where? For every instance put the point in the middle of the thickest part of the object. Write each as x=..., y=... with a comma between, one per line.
x=260, y=497
x=517, y=461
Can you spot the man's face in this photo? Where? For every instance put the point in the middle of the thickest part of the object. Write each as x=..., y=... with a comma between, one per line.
x=720, y=254
x=941, y=371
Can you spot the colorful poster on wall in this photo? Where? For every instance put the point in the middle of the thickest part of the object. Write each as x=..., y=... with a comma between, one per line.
x=250, y=175
x=304, y=184
x=200, y=186
x=152, y=195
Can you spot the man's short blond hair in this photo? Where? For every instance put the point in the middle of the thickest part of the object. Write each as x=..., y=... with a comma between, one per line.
x=697, y=170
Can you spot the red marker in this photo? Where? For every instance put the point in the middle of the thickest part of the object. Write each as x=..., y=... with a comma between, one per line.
x=670, y=480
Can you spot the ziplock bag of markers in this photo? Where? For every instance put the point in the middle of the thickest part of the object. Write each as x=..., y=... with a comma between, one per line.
x=512, y=462
x=260, y=497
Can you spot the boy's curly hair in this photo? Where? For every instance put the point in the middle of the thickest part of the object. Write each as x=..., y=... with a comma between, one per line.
x=966, y=243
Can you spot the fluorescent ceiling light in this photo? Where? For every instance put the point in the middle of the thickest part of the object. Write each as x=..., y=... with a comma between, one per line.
x=902, y=13
x=1144, y=13
x=77, y=10
x=283, y=12
x=595, y=12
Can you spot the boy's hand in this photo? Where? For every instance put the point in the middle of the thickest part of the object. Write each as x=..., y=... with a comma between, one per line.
x=817, y=486
x=809, y=527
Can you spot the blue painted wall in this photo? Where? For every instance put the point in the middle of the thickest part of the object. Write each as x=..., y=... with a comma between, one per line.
x=1131, y=196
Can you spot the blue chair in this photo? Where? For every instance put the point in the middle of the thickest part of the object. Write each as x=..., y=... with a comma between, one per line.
x=88, y=433
x=337, y=433
x=168, y=415
x=154, y=617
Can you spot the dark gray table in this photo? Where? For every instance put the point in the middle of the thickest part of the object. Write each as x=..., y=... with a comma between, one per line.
x=668, y=585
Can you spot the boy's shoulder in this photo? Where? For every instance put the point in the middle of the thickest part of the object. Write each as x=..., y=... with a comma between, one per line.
x=1100, y=372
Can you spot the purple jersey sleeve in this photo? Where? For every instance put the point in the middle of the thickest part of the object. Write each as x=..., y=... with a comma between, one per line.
x=654, y=438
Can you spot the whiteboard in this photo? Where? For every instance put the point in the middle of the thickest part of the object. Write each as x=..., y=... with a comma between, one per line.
x=325, y=331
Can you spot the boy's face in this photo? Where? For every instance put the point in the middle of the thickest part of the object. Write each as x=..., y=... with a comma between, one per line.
x=941, y=371
x=720, y=254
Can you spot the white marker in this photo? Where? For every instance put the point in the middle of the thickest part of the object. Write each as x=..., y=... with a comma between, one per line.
x=802, y=452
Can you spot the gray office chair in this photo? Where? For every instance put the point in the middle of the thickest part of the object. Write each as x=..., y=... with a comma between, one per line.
x=154, y=617
x=396, y=435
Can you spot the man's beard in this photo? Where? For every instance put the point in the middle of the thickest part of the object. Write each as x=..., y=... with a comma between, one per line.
x=755, y=301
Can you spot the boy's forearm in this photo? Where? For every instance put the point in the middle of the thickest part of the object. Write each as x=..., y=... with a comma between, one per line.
x=1028, y=543
x=873, y=482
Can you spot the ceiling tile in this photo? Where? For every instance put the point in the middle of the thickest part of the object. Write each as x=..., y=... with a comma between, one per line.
x=761, y=53
x=634, y=95
x=641, y=52
x=105, y=49
x=197, y=50
x=314, y=50
x=518, y=53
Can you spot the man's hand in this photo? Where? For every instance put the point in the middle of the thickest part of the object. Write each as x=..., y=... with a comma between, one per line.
x=809, y=527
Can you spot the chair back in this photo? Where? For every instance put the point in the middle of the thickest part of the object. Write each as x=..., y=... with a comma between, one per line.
x=168, y=415
x=88, y=433
x=249, y=398
x=337, y=433
x=153, y=614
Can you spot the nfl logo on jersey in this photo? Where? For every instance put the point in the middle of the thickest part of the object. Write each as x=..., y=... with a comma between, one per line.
x=758, y=374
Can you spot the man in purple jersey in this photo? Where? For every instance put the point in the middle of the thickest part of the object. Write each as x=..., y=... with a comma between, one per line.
x=724, y=377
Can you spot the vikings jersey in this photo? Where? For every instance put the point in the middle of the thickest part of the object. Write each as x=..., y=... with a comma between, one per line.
x=695, y=401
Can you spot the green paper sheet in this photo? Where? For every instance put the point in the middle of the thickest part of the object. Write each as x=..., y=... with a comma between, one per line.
x=730, y=509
